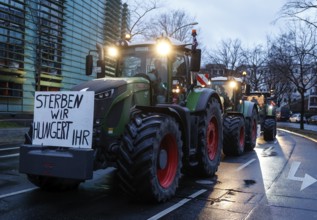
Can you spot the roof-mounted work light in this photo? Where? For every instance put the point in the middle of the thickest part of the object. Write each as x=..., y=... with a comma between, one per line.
x=163, y=47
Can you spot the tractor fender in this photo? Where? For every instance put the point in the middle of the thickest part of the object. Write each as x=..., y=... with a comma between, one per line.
x=198, y=98
x=181, y=115
x=247, y=107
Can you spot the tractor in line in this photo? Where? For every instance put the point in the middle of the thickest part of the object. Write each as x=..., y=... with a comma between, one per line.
x=149, y=120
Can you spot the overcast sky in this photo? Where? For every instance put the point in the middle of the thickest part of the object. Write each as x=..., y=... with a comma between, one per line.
x=248, y=20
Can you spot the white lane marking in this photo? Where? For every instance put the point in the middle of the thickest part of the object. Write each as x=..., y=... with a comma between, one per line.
x=17, y=192
x=9, y=155
x=11, y=148
x=244, y=165
x=307, y=180
x=205, y=182
x=177, y=205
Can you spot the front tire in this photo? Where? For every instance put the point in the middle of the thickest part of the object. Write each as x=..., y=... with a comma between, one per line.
x=209, y=147
x=150, y=158
x=234, y=135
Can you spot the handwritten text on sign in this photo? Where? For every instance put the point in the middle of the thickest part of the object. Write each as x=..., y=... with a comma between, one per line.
x=63, y=119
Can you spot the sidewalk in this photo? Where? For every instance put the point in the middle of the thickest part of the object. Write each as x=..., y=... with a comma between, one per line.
x=12, y=135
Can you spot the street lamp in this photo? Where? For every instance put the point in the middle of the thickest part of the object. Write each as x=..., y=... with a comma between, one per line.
x=244, y=75
x=186, y=25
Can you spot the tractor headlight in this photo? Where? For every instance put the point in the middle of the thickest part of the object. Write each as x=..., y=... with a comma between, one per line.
x=163, y=47
x=113, y=52
x=177, y=87
x=233, y=84
x=176, y=90
x=104, y=95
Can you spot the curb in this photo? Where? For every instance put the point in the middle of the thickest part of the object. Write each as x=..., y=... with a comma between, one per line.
x=300, y=135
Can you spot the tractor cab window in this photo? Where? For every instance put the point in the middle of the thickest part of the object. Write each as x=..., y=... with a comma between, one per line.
x=141, y=60
x=159, y=69
x=258, y=99
x=179, y=66
x=131, y=66
x=228, y=92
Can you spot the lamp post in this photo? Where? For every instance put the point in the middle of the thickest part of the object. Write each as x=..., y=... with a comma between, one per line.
x=244, y=75
x=186, y=25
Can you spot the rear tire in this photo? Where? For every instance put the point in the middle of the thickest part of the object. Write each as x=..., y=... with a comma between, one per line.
x=233, y=135
x=46, y=182
x=209, y=141
x=150, y=158
x=269, y=129
x=251, y=131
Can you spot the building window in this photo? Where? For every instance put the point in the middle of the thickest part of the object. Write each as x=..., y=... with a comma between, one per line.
x=10, y=89
x=50, y=36
x=11, y=35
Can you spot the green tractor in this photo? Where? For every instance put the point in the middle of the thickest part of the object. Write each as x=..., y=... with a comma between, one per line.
x=240, y=116
x=150, y=122
x=267, y=113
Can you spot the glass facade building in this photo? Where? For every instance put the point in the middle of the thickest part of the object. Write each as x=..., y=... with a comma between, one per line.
x=44, y=43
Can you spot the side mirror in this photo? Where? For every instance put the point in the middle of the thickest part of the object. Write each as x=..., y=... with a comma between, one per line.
x=89, y=64
x=247, y=89
x=101, y=70
x=195, y=61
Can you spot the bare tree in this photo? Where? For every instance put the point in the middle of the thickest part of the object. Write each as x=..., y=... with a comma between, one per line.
x=139, y=11
x=255, y=60
x=278, y=84
x=303, y=10
x=175, y=23
x=294, y=56
x=228, y=54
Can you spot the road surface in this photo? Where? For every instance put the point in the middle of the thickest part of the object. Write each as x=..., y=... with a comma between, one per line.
x=275, y=181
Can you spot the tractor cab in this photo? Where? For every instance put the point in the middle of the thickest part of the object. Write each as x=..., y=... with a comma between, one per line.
x=265, y=103
x=166, y=63
x=230, y=91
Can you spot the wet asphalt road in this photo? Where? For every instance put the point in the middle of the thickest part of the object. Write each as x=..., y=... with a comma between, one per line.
x=266, y=183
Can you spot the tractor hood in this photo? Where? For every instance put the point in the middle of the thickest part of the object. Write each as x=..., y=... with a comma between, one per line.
x=100, y=85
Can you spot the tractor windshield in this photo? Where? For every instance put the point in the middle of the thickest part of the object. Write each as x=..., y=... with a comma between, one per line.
x=229, y=92
x=143, y=60
x=258, y=99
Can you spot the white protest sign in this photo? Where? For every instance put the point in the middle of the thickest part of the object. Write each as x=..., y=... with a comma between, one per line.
x=63, y=119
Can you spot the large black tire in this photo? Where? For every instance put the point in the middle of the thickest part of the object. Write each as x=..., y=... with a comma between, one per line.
x=209, y=142
x=46, y=182
x=233, y=135
x=150, y=158
x=269, y=129
x=251, y=131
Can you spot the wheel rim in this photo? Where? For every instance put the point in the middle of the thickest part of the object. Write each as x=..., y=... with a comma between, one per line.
x=241, y=138
x=212, y=138
x=254, y=130
x=167, y=161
